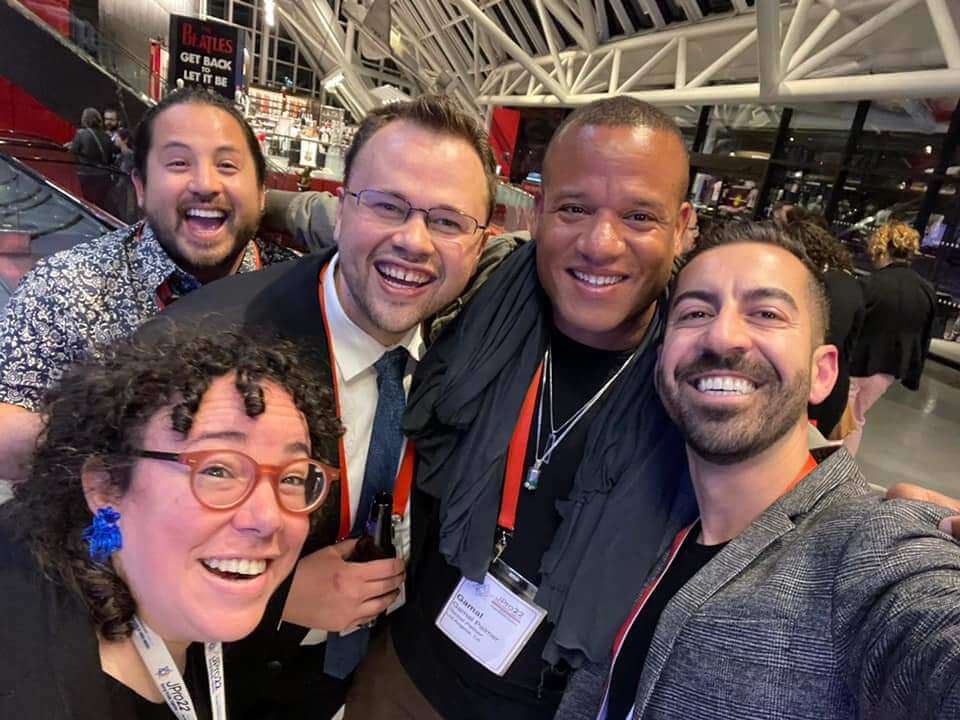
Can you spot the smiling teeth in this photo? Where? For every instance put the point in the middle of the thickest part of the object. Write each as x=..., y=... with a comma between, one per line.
x=409, y=276
x=598, y=280
x=726, y=385
x=239, y=567
x=201, y=213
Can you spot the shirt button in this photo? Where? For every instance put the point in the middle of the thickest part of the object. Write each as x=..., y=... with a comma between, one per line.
x=274, y=667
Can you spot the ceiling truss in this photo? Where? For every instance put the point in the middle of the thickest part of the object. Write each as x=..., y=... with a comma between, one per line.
x=491, y=53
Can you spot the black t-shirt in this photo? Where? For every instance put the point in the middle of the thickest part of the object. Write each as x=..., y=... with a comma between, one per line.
x=625, y=676
x=50, y=664
x=456, y=685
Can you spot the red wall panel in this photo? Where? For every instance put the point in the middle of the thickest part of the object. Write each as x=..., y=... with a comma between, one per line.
x=504, y=128
x=55, y=13
x=21, y=111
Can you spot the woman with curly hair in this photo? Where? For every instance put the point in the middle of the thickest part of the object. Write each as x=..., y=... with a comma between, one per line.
x=896, y=333
x=169, y=497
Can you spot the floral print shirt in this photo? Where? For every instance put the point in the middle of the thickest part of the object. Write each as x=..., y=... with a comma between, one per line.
x=80, y=300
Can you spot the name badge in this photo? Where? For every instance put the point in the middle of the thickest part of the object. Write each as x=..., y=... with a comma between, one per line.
x=492, y=620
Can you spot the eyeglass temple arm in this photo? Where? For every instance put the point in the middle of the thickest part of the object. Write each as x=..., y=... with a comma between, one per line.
x=157, y=455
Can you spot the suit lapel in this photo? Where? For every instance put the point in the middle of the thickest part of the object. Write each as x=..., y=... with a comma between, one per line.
x=775, y=522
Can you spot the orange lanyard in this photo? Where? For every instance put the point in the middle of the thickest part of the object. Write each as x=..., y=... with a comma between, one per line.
x=165, y=294
x=404, y=480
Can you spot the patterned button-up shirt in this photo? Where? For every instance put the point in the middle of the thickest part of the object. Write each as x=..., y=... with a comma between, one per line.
x=78, y=301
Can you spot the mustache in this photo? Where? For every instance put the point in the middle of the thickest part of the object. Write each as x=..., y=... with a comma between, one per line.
x=735, y=362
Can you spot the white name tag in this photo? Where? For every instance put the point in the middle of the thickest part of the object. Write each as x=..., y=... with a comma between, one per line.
x=493, y=620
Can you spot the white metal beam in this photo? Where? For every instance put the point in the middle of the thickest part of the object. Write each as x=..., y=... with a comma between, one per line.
x=652, y=10
x=852, y=38
x=794, y=32
x=615, y=71
x=570, y=24
x=913, y=84
x=549, y=34
x=946, y=31
x=658, y=56
x=603, y=27
x=721, y=62
x=514, y=50
x=622, y=17
x=693, y=12
x=589, y=19
x=813, y=39
x=768, y=45
x=520, y=9
x=680, y=74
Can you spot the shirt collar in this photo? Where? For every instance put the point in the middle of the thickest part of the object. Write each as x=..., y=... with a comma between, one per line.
x=354, y=349
x=157, y=267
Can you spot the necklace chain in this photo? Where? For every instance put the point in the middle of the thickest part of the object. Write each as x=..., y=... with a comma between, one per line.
x=558, y=434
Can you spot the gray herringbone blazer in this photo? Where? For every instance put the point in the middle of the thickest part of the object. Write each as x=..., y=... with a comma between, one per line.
x=832, y=604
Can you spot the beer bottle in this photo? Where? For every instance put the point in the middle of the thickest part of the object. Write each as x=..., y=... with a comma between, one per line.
x=376, y=543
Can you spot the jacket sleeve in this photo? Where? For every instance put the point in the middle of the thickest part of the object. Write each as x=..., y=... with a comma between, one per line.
x=497, y=249
x=75, y=144
x=896, y=614
x=308, y=216
x=584, y=693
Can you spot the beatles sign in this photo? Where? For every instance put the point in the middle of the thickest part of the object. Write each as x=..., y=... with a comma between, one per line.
x=206, y=53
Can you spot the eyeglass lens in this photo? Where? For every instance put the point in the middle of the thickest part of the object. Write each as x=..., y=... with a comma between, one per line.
x=222, y=479
x=396, y=210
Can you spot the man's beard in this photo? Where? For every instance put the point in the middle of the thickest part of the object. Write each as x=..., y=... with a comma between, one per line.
x=725, y=436
x=207, y=265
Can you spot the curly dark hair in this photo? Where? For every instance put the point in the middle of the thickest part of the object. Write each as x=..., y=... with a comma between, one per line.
x=824, y=250
x=98, y=412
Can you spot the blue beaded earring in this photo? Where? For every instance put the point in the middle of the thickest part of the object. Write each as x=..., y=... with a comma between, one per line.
x=103, y=534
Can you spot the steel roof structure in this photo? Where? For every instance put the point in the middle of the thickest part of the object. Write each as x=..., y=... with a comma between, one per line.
x=669, y=52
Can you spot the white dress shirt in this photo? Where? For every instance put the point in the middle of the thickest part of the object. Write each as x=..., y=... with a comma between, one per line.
x=356, y=352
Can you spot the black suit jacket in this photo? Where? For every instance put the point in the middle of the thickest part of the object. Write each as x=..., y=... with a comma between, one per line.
x=847, y=313
x=897, y=328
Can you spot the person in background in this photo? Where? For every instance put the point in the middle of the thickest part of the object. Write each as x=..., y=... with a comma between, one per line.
x=96, y=150
x=126, y=159
x=897, y=329
x=798, y=591
x=847, y=311
x=111, y=122
x=169, y=497
x=199, y=178
x=91, y=143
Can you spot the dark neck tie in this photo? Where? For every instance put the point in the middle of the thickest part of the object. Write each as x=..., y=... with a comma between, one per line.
x=345, y=652
x=386, y=437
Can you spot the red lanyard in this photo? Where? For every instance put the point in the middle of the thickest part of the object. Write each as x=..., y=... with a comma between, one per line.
x=165, y=294
x=404, y=480
x=808, y=467
x=516, y=459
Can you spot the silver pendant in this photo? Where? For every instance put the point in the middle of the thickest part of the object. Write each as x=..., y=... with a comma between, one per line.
x=533, y=478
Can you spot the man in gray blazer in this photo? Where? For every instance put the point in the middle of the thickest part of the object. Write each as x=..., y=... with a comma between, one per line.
x=797, y=593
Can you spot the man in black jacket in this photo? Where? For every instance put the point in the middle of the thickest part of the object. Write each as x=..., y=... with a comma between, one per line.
x=544, y=381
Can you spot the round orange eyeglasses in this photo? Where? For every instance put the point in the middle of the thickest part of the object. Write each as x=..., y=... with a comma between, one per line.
x=222, y=479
